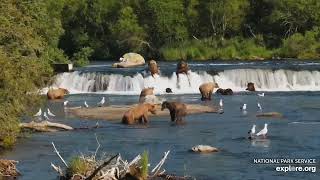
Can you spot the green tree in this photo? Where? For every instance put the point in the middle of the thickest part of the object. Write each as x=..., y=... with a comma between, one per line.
x=168, y=21
x=224, y=17
x=24, y=67
x=130, y=36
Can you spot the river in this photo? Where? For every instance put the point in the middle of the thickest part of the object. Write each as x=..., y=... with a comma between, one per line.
x=291, y=88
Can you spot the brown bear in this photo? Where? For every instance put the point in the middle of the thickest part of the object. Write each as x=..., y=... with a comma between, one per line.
x=139, y=113
x=177, y=110
x=250, y=87
x=182, y=67
x=224, y=91
x=57, y=93
x=145, y=92
x=153, y=67
x=206, y=90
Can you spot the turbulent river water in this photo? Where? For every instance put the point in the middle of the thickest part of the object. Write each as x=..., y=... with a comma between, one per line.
x=291, y=88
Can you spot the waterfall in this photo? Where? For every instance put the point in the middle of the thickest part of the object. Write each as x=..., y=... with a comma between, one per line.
x=236, y=79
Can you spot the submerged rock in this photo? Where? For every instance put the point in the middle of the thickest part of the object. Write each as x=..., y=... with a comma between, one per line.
x=270, y=115
x=204, y=149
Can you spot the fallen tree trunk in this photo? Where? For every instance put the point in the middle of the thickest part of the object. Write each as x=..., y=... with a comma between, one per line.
x=116, y=112
x=45, y=126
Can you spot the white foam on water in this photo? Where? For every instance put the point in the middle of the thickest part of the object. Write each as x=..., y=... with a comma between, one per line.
x=236, y=79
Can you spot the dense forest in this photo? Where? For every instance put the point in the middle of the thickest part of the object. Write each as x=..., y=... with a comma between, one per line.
x=37, y=33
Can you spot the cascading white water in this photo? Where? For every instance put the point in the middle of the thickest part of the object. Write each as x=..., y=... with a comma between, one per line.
x=236, y=79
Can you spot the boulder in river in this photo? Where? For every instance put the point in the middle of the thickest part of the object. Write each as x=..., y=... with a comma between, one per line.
x=130, y=60
x=204, y=149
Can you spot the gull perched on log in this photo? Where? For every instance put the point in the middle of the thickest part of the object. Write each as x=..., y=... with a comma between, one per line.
x=50, y=113
x=39, y=113
x=45, y=116
x=263, y=131
x=102, y=101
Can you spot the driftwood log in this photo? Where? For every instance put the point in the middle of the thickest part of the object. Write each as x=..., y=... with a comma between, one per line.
x=116, y=112
x=45, y=126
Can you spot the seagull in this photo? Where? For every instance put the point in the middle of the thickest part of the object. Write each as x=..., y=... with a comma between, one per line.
x=85, y=104
x=252, y=131
x=50, y=113
x=244, y=107
x=45, y=116
x=263, y=131
x=65, y=103
x=38, y=113
x=221, y=103
x=259, y=106
x=102, y=101
x=261, y=95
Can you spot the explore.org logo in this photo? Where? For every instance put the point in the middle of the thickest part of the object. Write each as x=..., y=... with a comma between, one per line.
x=290, y=165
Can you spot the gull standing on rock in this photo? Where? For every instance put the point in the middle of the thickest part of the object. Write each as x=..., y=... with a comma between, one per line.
x=252, y=131
x=50, y=113
x=38, y=113
x=244, y=107
x=85, y=104
x=102, y=101
x=263, y=131
x=259, y=106
x=65, y=103
x=221, y=103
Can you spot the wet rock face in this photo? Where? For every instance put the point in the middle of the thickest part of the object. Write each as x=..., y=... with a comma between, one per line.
x=250, y=87
x=182, y=67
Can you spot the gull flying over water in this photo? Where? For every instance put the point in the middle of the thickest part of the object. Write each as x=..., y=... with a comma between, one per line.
x=263, y=131
x=261, y=95
x=102, y=101
x=85, y=104
x=50, y=113
x=38, y=113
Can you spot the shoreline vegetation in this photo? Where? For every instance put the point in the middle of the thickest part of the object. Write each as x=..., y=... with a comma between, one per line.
x=36, y=34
